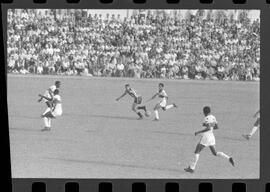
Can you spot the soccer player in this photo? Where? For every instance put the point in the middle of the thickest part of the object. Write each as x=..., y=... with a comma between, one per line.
x=137, y=101
x=53, y=111
x=162, y=104
x=49, y=92
x=207, y=139
x=255, y=126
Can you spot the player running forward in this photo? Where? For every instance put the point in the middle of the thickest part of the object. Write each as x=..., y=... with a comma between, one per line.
x=53, y=111
x=255, y=126
x=207, y=139
x=162, y=104
x=49, y=92
x=137, y=101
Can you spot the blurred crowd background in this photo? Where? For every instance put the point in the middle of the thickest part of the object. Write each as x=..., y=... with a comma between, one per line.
x=173, y=44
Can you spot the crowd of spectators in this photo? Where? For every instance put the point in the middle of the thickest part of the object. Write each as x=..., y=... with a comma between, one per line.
x=139, y=46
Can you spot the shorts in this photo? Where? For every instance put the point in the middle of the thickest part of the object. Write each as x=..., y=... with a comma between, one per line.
x=163, y=103
x=57, y=113
x=138, y=100
x=208, y=140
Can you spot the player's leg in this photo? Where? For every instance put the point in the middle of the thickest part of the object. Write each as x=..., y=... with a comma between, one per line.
x=46, y=124
x=139, y=101
x=156, y=108
x=134, y=108
x=170, y=106
x=253, y=130
x=221, y=154
x=192, y=167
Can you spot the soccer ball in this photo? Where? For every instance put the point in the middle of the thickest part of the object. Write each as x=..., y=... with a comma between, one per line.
x=147, y=113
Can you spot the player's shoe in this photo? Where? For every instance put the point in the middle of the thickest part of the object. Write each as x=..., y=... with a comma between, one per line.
x=156, y=119
x=140, y=118
x=231, y=161
x=39, y=100
x=46, y=129
x=175, y=105
x=189, y=170
x=247, y=137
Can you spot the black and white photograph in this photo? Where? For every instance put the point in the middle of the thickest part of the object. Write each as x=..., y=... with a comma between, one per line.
x=134, y=93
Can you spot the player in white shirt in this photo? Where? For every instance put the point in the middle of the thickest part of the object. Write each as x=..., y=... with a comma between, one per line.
x=207, y=139
x=162, y=104
x=53, y=111
x=49, y=92
x=255, y=126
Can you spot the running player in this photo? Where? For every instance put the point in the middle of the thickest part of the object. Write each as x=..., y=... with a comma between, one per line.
x=255, y=126
x=137, y=101
x=49, y=92
x=162, y=104
x=207, y=139
x=53, y=111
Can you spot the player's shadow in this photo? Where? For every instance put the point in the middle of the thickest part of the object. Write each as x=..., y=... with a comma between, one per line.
x=117, y=164
x=101, y=116
x=23, y=129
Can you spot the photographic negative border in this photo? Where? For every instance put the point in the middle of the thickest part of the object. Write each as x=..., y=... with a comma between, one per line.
x=157, y=185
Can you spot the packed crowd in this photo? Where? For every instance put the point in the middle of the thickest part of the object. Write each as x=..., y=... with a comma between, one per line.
x=138, y=46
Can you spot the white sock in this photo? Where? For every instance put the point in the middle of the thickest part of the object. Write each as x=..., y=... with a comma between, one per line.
x=49, y=122
x=169, y=106
x=156, y=114
x=46, y=111
x=193, y=164
x=46, y=123
x=253, y=130
x=221, y=154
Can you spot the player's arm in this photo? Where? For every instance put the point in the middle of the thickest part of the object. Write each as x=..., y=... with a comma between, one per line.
x=202, y=131
x=121, y=96
x=47, y=98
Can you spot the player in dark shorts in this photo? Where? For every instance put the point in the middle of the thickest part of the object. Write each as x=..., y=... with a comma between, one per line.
x=137, y=101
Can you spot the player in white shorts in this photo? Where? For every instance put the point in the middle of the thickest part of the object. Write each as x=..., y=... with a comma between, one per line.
x=207, y=139
x=255, y=126
x=162, y=104
x=49, y=92
x=53, y=111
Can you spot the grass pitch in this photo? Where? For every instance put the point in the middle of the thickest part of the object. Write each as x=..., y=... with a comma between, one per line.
x=98, y=137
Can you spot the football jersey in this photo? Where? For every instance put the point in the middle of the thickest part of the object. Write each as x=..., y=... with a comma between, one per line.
x=132, y=92
x=210, y=121
x=57, y=103
x=162, y=93
x=52, y=88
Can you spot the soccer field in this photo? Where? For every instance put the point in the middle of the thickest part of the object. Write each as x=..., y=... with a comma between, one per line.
x=98, y=137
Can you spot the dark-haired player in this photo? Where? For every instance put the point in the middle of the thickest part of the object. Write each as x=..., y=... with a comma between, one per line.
x=162, y=104
x=137, y=101
x=207, y=139
x=53, y=111
x=49, y=92
x=255, y=126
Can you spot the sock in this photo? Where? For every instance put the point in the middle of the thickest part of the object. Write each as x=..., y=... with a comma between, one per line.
x=221, y=154
x=253, y=130
x=193, y=165
x=46, y=111
x=142, y=107
x=46, y=123
x=156, y=114
x=140, y=115
x=49, y=122
x=169, y=106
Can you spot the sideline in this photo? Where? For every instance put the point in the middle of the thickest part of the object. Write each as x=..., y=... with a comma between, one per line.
x=129, y=79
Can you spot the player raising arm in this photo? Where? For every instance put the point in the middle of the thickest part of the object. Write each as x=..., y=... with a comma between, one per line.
x=137, y=101
x=162, y=104
x=207, y=139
